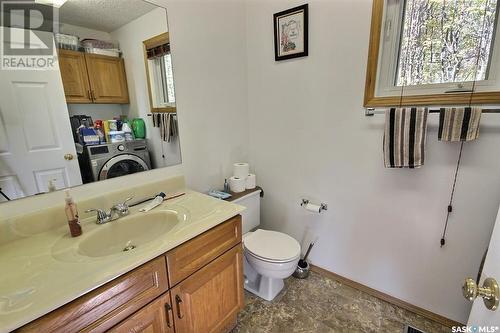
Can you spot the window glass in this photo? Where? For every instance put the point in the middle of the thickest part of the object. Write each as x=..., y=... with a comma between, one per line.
x=440, y=41
x=163, y=80
x=169, y=78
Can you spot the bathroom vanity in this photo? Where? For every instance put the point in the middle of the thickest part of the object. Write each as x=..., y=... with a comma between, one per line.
x=177, y=268
x=195, y=287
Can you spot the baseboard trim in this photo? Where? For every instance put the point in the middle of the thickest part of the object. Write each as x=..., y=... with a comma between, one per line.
x=387, y=298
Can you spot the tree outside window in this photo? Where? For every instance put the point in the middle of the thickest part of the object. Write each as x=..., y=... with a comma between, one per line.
x=446, y=41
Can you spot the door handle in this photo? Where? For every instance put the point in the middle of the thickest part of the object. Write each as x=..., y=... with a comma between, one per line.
x=490, y=292
x=168, y=309
x=68, y=157
x=178, y=302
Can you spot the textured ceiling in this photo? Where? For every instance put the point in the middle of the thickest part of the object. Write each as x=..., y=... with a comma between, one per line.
x=104, y=15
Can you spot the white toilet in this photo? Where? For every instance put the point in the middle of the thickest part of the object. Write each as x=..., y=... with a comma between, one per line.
x=270, y=256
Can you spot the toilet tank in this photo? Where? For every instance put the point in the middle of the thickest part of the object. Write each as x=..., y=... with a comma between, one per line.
x=250, y=217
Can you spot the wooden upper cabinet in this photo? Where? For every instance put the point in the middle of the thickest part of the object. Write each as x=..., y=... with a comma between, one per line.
x=93, y=78
x=156, y=317
x=107, y=79
x=209, y=300
x=74, y=76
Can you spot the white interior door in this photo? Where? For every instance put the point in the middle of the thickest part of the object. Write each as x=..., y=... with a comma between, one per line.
x=35, y=132
x=480, y=316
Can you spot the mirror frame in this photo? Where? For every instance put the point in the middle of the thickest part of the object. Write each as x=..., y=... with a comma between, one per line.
x=370, y=100
x=148, y=44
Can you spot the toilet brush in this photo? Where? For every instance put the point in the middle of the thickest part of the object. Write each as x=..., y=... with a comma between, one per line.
x=302, y=270
x=303, y=260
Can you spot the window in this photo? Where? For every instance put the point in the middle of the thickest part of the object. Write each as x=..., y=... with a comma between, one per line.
x=433, y=52
x=159, y=72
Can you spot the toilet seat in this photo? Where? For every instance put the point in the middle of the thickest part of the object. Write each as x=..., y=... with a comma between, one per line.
x=271, y=246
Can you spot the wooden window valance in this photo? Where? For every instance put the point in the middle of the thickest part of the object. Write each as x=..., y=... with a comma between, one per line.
x=158, y=51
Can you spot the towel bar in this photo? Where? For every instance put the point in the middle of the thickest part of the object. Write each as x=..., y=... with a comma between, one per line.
x=371, y=111
x=150, y=114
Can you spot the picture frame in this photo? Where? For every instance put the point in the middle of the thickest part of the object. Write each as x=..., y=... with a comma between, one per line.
x=291, y=33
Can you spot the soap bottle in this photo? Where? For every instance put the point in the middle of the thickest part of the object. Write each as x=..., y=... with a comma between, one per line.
x=139, y=128
x=127, y=131
x=100, y=134
x=72, y=215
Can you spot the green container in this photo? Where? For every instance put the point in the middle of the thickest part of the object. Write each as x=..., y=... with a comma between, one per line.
x=139, y=128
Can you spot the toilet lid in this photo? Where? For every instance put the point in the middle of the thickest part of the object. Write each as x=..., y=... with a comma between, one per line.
x=272, y=245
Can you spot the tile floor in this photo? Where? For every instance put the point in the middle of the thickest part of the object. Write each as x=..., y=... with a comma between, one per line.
x=320, y=304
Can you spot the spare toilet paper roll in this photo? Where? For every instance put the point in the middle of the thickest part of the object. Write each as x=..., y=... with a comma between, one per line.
x=251, y=181
x=241, y=170
x=236, y=184
x=313, y=208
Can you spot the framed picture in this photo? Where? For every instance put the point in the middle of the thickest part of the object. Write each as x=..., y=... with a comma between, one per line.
x=290, y=33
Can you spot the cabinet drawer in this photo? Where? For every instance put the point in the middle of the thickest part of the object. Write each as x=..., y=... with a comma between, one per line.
x=104, y=307
x=187, y=258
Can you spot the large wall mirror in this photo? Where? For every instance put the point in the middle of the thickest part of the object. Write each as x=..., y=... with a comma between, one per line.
x=94, y=111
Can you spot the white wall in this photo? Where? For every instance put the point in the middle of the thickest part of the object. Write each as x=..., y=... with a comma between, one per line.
x=83, y=32
x=209, y=56
x=130, y=37
x=308, y=137
x=96, y=111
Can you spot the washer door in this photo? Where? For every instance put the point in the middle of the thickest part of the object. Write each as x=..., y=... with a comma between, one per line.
x=122, y=165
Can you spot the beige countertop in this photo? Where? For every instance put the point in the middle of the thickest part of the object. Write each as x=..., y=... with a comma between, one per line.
x=44, y=271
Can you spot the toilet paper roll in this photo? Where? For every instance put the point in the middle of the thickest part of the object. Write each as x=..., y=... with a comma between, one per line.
x=313, y=208
x=237, y=184
x=251, y=181
x=241, y=170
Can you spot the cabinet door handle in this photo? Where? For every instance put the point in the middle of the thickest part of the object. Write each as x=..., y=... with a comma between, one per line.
x=168, y=309
x=178, y=302
x=90, y=94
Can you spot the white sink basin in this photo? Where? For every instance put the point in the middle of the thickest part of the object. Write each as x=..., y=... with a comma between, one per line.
x=128, y=233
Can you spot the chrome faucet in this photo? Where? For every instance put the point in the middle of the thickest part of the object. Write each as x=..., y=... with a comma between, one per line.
x=117, y=211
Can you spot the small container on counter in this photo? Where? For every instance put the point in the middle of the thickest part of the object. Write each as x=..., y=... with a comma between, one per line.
x=139, y=128
x=105, y=127
x=127, y=131
x=113, y=125
x=116, y=136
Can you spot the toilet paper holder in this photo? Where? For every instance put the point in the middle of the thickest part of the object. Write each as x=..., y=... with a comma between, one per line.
x=322, y=206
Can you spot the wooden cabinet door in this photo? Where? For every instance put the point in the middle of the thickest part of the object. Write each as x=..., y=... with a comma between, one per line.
x=210, y=299
x=189, y=257
x=74, y=76
x=107, y=79
x=156, y=317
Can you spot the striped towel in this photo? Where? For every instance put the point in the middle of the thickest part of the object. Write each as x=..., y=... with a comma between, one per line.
x=459, y=124
x=404, y=137
x=167, y=122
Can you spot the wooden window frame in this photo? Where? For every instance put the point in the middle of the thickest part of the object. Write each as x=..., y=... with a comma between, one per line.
x=372, y=101
x=149, y=44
